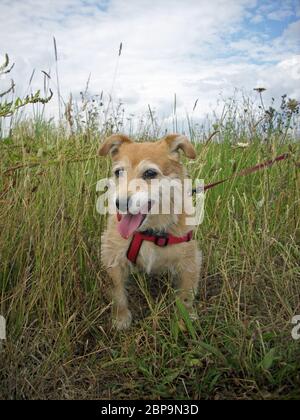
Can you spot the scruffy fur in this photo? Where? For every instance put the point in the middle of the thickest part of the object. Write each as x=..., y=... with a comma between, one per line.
x=183, y=259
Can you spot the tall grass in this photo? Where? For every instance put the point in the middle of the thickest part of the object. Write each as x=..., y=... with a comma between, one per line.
x=54, y=289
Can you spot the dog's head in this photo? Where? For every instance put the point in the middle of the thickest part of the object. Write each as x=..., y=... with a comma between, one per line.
x=140, y=170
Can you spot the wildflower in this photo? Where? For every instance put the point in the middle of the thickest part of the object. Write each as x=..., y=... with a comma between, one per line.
x=241, y=145
x=293, y=105
x=260, y=203
x=260, y=89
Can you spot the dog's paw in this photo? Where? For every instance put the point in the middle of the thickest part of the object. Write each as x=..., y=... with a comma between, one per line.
x=123, y=321
x=193, y=315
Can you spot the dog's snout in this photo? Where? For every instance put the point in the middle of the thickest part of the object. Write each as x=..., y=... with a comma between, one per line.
x=122, y=204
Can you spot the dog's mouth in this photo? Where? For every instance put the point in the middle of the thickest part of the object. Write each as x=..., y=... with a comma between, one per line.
x=129, y=223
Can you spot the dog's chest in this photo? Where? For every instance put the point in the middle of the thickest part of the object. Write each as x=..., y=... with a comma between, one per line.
x=153, y=258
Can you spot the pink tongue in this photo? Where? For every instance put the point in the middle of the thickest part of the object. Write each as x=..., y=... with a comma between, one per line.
x=129, y=223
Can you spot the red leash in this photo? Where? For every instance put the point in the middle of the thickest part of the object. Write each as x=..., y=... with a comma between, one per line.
x=246, y=171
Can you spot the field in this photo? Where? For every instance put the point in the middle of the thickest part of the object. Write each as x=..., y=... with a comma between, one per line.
x=54, y=291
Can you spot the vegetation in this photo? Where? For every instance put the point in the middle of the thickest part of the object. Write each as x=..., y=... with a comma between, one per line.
x=9, y=107
x=54, y=290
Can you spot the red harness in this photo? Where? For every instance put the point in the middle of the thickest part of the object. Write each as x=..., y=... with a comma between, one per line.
x=161, y=240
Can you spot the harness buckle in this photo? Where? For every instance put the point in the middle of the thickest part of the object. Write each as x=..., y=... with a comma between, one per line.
x=189, y=236
x=161, y=241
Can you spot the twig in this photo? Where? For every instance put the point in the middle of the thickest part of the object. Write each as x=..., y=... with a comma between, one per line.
x=33, y=164
x=4, y=192
x=211, y=137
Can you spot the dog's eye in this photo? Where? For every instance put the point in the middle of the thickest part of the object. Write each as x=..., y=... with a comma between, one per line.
x=119, y=172
x=150, y=174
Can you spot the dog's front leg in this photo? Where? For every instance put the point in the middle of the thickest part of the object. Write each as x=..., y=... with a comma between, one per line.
x=189, y=276
x=122, y=315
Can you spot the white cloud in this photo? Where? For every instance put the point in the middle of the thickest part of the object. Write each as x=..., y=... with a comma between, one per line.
x=258, y=18
x=280, y=14
x=270, y=49
x=168, y=46
x=291, y=67
x=292, y=33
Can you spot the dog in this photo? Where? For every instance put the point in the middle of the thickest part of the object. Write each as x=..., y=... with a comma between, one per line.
x=139, y=239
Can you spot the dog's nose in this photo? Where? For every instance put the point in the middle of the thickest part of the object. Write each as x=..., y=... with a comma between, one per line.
x=122, y=204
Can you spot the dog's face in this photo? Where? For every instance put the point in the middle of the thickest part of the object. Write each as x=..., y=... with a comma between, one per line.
x=140, y=170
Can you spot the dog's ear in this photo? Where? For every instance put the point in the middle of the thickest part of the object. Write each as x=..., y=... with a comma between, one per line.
x=177, y=142
x=112, y=144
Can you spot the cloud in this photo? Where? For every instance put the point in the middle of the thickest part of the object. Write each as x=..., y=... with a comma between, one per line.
x=195, y=48
x=258, y=18
x=292, y=34
x=265, y=49
x=291, y=68
x=281, y=11
x=280, y=14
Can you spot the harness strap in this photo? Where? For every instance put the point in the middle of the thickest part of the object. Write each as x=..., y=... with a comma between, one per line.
x=159, y=240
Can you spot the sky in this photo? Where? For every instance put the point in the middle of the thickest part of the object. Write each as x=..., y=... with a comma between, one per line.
x=198, y=49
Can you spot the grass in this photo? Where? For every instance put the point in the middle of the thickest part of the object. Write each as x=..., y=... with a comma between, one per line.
x=54, y=290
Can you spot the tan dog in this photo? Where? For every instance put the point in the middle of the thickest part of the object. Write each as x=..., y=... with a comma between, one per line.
x=147, y=161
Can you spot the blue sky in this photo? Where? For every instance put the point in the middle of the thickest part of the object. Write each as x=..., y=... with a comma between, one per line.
x=196, y=48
